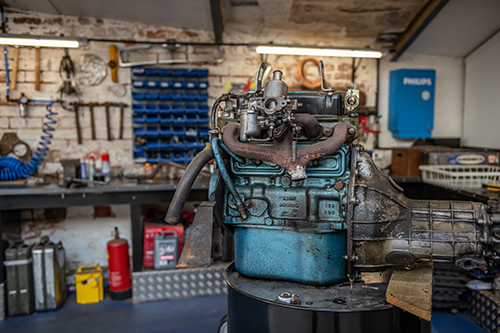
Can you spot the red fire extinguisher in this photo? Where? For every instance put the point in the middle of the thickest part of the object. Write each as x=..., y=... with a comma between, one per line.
x=120, y=284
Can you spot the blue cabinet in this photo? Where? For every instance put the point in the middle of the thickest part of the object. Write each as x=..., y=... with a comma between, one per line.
x=411, y=103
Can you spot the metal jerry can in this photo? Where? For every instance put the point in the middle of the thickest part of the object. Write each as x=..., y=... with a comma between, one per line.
x=49, y=275
x=19, y=267
x=166, y=250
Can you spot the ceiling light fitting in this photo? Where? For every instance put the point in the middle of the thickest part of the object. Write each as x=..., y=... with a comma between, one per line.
x=316, y=51
x=42, y=41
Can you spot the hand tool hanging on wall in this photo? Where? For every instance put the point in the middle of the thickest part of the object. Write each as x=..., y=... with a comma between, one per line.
x=15, y=68
x=77, y=124
x=91, y=106
x=113, y=62
x=37, y=69
x=108, y=124
x=122, y=107
x=92, y=121
x=67, y=73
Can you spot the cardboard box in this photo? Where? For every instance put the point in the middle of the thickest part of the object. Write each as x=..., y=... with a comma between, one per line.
x=405, y=161
x=152, y=229
x=463, y=157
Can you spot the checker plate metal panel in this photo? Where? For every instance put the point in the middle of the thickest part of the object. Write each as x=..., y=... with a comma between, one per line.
x=2, y=301
x=178, y=283
x=484, y=309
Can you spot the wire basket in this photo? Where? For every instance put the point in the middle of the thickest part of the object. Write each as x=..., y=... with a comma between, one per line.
x=460, y=177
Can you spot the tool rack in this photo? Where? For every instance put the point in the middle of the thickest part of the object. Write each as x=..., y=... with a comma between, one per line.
x=170, y=113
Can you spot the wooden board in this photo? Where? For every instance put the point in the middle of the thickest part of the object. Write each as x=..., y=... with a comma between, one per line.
x=412, y=290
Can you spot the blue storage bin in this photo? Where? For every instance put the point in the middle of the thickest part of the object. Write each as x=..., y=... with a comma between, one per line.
x=165, y=157
x=151, y=96
x=152, y=145
x=190, y=72
x=152, y=120
x=169, y=120
x=203, y=120
x=202, y=97
x=191, y=84
x=203, y=132
x=138, y=96
x=177, y=109
x=202, y=145
x=177, y=84
x=151, y=71
x=202, y=85
x=152, y=160
x=139, y=131
x=179, y=131
x=178, y=96
x=191, y=120
x=192, y=145
x=152, y=132
x=166, y=132
x=190, y=97
x=178, y=146
x=139, y=119
x=139, y=154
x=138, y=83
x=138, y=108
x=190, y=109
x=175, y=72
x=151, y=109
x=202, y=72
x=165, y=96
x=179, y=120
x=164, y=109
x=179, y=157
x=164, y=84
x=203, y=109
x=165, y=145
x=164, y=72
x=191, y=133
x=151, y=84
x=139, y=71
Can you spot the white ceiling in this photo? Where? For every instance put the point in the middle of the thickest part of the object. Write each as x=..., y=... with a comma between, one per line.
x=194, y=14
x=459, y=28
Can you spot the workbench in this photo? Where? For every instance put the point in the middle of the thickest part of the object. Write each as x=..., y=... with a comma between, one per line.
x=118, y=192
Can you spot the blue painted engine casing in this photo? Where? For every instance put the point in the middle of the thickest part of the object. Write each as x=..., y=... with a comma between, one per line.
x=295, y=230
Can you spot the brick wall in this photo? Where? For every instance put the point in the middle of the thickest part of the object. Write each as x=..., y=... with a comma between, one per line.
x=88, y=235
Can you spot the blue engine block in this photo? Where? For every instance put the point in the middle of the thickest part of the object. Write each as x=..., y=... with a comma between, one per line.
x=295, y=230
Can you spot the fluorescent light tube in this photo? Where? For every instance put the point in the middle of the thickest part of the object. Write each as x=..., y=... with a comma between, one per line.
x=325, y=52
x=41, y=41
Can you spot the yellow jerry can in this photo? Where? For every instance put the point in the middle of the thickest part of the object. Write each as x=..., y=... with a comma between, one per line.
x=89, y=288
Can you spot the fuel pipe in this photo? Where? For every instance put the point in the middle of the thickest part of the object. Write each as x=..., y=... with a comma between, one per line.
x=227, y=179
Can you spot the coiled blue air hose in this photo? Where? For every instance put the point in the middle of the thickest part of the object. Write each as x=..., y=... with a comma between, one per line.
x=13, y=169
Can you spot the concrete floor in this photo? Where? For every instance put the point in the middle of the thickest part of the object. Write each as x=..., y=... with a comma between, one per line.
x=189, y=315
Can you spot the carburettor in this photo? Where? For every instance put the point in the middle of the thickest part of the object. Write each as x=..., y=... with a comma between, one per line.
x=307, y=205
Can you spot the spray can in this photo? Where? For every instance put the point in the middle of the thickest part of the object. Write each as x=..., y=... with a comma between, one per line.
x=91, y=171
x=83, y=170
x=105, y=167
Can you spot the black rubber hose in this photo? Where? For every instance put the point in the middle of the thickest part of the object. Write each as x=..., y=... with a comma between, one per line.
x=184, y=187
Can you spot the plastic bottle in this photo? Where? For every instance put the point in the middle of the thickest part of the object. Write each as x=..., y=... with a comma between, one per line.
x=83, y=170
x=91, y=169
x=105, y=167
